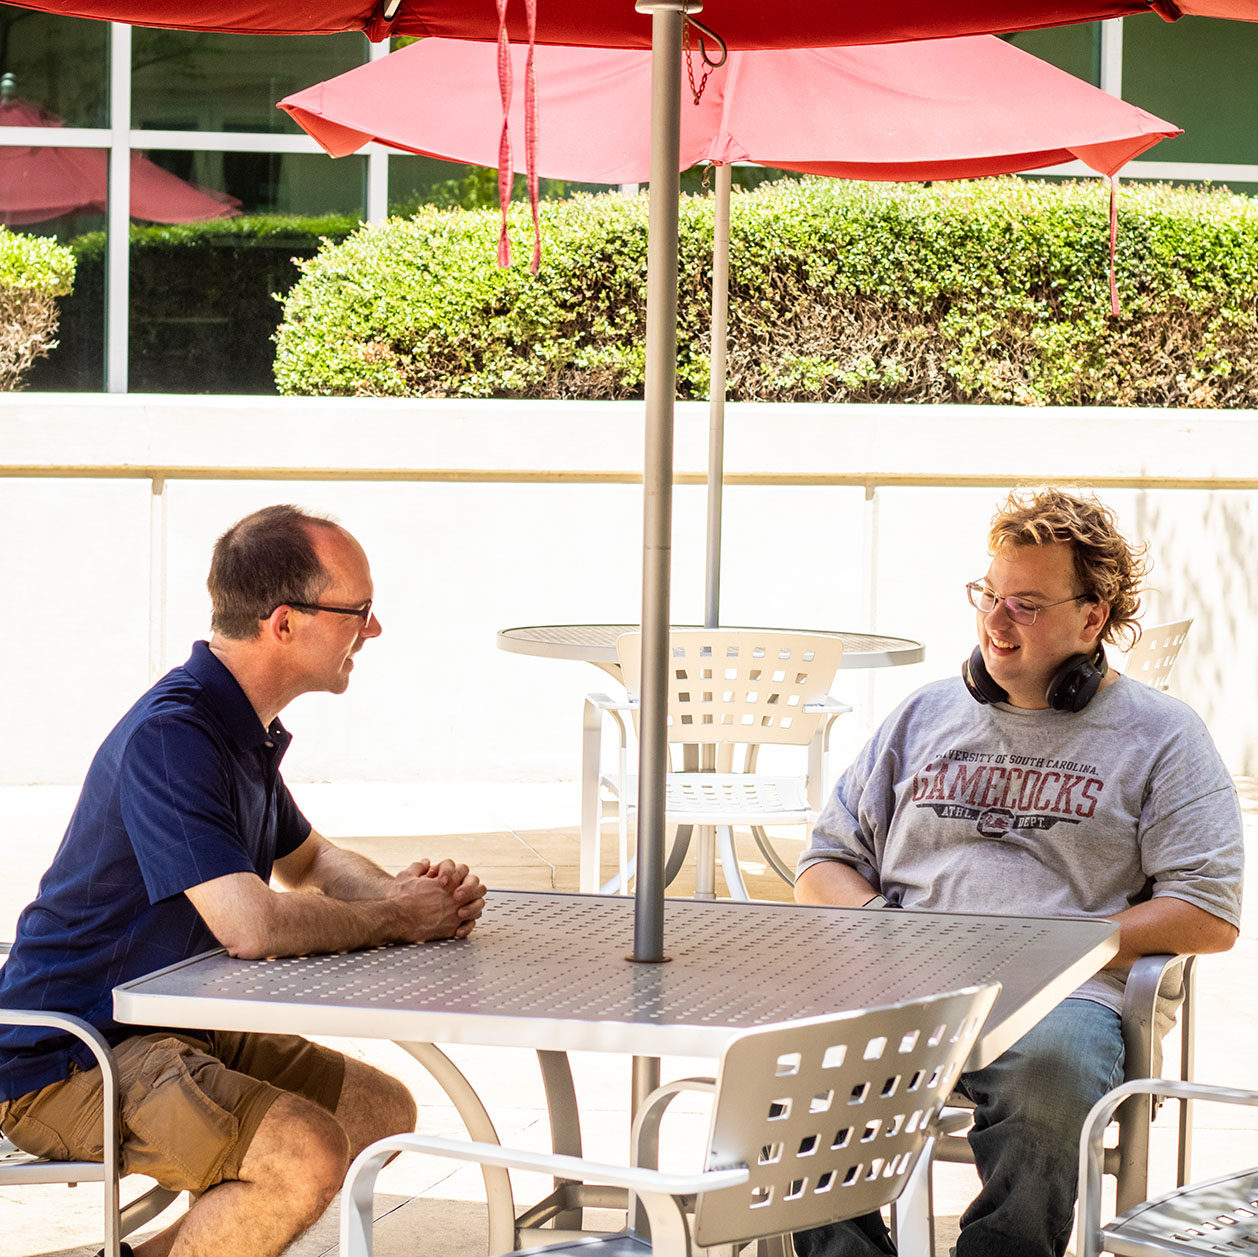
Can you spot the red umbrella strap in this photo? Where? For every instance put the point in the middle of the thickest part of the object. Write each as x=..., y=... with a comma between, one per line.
x=1113, y=243
x=530, y=133
x=506, y=171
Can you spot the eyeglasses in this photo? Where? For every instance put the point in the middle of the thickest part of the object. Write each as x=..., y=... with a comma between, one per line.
x=1020, y=611
x=363, y=612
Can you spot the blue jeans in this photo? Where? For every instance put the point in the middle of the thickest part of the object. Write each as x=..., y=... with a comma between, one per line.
x=1030, y=1104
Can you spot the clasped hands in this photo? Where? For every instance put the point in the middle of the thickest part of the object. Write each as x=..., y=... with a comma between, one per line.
x=441, y=900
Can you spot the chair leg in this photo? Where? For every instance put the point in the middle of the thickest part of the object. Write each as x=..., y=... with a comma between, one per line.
x=705, y=862
x=565, y=1122
x=677, y=856
x=729, y=864
x=913, y=1213
x=622, y=823
x=591, y=803
x=613, y=885
x=1132, y=1179
x=144, y=1208
x=1187, y=1069
x=775, y=861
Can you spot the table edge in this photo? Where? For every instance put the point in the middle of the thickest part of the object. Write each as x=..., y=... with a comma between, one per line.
x=911, y=650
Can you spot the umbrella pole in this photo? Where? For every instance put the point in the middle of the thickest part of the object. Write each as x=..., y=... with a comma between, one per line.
x=660, y=391
x=716, y=393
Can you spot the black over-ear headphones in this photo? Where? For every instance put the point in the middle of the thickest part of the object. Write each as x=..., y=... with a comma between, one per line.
x=1072, y=688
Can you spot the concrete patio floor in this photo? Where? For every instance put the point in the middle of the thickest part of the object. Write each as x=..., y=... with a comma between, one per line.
x=519, y=837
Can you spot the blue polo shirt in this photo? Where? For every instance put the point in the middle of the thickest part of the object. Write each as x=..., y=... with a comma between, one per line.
x=185, y=789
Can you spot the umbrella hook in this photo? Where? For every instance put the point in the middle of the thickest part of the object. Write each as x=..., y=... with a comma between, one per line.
x=705, y=34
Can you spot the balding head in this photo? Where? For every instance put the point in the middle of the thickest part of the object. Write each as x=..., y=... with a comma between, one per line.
x=266, y=559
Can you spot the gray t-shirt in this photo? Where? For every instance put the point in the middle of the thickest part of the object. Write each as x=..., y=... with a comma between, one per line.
x=961, y=807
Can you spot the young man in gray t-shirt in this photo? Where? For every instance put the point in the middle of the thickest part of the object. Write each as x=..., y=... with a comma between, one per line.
x=1039, y=782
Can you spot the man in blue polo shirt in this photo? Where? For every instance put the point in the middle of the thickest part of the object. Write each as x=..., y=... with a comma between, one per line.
x=183, y=823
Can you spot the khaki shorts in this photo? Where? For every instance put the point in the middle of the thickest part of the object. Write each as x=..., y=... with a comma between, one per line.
x=191, y=1103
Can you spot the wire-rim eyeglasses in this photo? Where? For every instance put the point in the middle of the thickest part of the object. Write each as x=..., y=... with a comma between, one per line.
x=1019, y=610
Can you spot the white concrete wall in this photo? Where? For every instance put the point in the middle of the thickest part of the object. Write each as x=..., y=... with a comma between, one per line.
x=481, y=515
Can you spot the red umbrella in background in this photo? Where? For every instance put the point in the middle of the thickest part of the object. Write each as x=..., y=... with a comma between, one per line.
x=934, y=109
x=37, y=184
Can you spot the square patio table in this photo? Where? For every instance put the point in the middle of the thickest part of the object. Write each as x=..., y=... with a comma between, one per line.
x=550, y=972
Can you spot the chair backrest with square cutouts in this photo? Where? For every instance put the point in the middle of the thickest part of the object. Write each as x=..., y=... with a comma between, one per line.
x=831, y=1115
x=739, y=685
x=1151, y=659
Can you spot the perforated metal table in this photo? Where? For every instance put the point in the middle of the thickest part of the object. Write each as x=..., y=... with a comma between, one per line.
x=549, y=972
x=596, y=643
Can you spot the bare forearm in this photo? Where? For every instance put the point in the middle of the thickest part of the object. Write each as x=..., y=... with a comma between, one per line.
x=302, y=922
x=346, y=875
x=253, y=921
x=1171, y=926
x=832, y=882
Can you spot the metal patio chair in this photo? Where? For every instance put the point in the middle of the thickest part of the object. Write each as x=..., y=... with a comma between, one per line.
x=730, y=693
x=1151, y=659
x=18, y=1168
x=1216, y=1216
x=812, y=1122
x=1128, y=1159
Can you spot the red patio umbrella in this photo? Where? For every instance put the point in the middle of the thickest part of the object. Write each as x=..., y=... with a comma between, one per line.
x=618, y=24
x=933, y=109
x=37, y=184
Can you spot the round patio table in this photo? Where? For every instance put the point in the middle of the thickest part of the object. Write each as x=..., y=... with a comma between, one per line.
x=596, y=643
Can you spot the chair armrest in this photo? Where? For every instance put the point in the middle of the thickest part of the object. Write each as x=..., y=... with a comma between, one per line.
x=605, y=703
x=110, y=1126
x=75, y=1026
x=653, y=1187
x=829, y=704
x=1172, y=1088
x=1129, y=1160
x=830, y=709
x=1090, y=1139
x=644, y=1138
x=1140, y=998
x=558, y=1164
x=599, y=705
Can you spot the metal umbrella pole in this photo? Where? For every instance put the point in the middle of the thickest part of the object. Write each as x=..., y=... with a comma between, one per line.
x=705, y=884
x=667, y=19
x=716, y=394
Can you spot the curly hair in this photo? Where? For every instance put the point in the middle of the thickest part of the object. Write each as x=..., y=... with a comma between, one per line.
x=1108, y=567
x=265, y=559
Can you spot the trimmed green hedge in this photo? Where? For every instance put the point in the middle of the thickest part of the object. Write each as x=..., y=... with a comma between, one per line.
x=202, y=304
x=991, y=291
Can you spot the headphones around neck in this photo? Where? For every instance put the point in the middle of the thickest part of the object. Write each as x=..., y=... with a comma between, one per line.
x=1072, y=688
